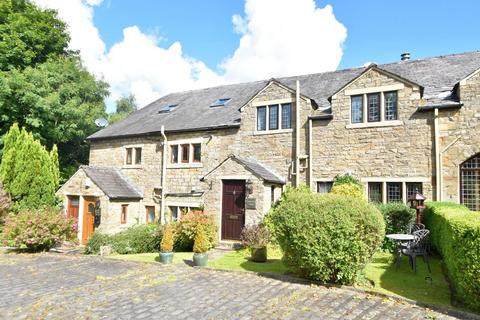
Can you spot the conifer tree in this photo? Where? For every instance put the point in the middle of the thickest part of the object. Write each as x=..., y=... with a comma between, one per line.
x=7, y=166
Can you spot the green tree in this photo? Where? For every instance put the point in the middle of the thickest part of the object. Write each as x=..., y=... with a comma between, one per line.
x=58, y=101
x=28, y=35
x=124, y=107
x=28, y=171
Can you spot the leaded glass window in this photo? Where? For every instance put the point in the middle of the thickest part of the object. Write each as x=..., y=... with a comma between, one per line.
x=286, y=116
x=390, y=105
x=375, y=192
x=357, y=109
x=394, y=192
x=470, y=183
x=261, y=118
x=413, y=188
x=273, y=117
x=373, y=102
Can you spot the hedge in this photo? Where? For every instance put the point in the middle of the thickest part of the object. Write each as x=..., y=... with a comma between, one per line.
x=397, y=217
x=455, y=234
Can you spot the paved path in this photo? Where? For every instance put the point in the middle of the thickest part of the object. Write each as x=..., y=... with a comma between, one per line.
x=54, y=286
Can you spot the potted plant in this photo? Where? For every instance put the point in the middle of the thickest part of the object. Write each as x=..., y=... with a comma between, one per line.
x=166, y=245
x=200, y=247
x=256, y=237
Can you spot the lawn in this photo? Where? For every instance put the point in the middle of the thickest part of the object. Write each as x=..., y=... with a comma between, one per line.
x=379, y=276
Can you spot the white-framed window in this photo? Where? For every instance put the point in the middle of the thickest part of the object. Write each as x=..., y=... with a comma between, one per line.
x=185, y=153
x=133, y=155
x=274, y=117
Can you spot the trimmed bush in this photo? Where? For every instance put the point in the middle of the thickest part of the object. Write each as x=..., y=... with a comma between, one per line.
x=455, y=234
x=200, y=244
x=186, y=228
x=38, y=230
x=329, y=238
x=137, y=239
x=167, y=241
x=397, y=217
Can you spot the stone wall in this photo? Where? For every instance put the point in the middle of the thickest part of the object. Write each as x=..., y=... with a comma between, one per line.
x=402, y=151
x=465, y=125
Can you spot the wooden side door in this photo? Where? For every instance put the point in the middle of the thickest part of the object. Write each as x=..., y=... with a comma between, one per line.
x=233, y=209
x=73, y=206
x=88, y=218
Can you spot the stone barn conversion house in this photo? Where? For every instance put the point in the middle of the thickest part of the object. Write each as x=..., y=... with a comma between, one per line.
x=232, y=149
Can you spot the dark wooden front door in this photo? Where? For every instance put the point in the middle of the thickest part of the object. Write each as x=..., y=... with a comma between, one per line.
x=88, y=225
x=233, y=209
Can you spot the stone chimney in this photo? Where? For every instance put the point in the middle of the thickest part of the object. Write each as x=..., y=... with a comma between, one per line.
x=405, y=56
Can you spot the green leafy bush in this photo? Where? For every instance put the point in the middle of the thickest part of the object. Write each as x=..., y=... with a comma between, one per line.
x=397, y=217
x=346, y=179
x=186, y=228
x=455, y=234
x=38, y=230
x=136, y=239
x=96, y=240
x=349, y=190
x=328, y=237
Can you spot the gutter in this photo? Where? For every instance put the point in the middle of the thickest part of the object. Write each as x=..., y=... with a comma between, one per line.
x=321, y=117
x=297, y=135
x=164, y=173
x=445, y=106
x=310, y=154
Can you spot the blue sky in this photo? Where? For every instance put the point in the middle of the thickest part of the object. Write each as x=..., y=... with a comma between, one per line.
x=378, y=31
x=150, y=48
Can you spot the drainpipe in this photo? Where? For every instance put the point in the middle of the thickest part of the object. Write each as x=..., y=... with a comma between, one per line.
x=310, y=160
x=164, y=173
x=438, y=191
x=441, y=161
x=297, y=135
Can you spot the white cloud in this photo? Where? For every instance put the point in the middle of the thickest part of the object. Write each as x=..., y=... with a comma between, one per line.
x=278, y=37
x=285, y=37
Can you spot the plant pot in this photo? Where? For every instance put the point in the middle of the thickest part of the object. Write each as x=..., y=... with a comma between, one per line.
x=200, y=259
x=259, y=254
x=166, y=257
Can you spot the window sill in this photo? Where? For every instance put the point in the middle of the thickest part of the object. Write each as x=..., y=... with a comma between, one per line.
x=392, y=123
x=184, y=165
x=261, y=133
x=132, y=166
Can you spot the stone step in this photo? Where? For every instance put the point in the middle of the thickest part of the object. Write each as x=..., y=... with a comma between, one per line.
x=229, y=245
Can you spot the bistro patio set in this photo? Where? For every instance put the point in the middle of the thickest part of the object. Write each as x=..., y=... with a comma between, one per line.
x=415, y=242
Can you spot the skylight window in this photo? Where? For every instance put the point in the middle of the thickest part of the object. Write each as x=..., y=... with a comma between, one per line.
x=167, y=108
x=220, y=102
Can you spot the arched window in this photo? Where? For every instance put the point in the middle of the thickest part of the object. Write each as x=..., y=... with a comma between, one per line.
x=470, y=183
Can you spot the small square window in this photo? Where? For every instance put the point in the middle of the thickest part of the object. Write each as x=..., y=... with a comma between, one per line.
x=174, y=154
x=129, y=156
x=413, y=188
x=324, y=186
x=138, y=155
x=123, y=214
x=185, y=153
x=197, y=152
x=394, y=192
x=375, y=192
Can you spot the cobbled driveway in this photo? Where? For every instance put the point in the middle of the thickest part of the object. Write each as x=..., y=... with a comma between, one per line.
x=54, y=286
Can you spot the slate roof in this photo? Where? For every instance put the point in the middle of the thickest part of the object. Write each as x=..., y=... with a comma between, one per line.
x=254, y=166
x=112, y=182
x=437, y=75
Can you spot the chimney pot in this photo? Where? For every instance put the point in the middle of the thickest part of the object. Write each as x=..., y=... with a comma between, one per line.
x=405, y=56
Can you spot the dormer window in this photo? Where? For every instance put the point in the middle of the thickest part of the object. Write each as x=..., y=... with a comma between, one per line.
x=374, y=107
x=274, y=117
x=167, y=108
x=220, y=102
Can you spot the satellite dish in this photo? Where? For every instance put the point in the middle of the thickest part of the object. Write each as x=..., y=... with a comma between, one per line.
x=101, y=122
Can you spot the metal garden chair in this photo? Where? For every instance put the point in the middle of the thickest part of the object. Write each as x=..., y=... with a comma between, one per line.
x=417, y=247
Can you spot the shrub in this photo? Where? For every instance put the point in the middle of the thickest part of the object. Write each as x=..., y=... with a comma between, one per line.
x=96, y=240
x=346, y=179
x=167, y=241
x=200, y=244
x=328, y=237
x=136, y=239
x=349, y=190
x=5, y=203
x=455, y=234
x=255, y=236
x=185, y=230
x=38, y=230
x=397, y=217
